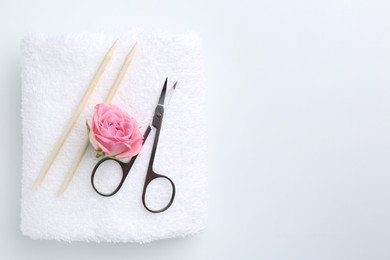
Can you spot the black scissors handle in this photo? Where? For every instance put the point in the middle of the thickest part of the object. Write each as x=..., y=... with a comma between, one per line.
x=151, y=175
x=126, y=167
x=125, y=171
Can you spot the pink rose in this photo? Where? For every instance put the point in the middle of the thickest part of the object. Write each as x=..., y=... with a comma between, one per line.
x=113, y=132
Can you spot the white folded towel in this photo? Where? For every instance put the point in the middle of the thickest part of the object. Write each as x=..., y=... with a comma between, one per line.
x=56, y=70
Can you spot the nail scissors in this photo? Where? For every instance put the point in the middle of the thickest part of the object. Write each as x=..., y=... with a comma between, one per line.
x=150, y=175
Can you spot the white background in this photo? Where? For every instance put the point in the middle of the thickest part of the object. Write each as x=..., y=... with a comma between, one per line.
x=299, y=120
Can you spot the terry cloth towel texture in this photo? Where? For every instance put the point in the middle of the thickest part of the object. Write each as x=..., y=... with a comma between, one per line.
x=56, y=71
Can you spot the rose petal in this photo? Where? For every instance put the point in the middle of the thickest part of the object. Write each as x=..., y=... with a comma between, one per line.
x=92, y=140
x=114, y=131
x=132, y=150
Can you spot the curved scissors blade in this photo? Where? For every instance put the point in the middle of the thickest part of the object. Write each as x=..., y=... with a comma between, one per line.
x=163, y=93
x=164, y=97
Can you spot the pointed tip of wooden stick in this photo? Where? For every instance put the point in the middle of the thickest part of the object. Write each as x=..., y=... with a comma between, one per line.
x=60, y=191
x=112, y=48
x=37, y=182
x=133, y=49
x=64, y=185
x=35, y=186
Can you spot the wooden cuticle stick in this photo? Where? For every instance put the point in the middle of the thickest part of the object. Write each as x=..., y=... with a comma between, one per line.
x=110, y=96
x=74, y=117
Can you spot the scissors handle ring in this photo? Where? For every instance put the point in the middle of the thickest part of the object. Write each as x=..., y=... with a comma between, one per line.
x=124, y=175
x=147, y=182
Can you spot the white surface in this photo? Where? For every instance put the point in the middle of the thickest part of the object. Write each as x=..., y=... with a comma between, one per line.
x=299, y=117
x=56, y=71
